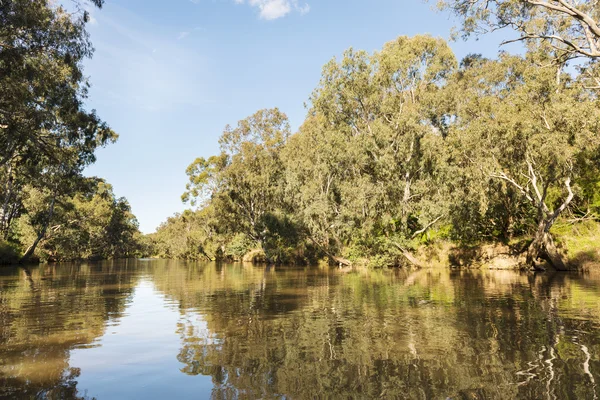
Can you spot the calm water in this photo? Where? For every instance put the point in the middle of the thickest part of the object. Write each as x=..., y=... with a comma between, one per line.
x=165, y=329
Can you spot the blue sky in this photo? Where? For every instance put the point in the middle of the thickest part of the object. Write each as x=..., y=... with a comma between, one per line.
x=169, y=75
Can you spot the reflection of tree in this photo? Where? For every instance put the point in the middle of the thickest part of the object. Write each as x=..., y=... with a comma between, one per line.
x=63, y=388
x=46, y=312
x=432, y=334
x=313, y=333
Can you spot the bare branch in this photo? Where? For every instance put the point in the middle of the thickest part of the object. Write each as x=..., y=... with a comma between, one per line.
x=565, y=204
x=426, y=228
x=522, y=189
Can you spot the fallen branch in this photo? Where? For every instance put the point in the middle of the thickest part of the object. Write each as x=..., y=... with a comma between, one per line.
x=407, y=254
x=337, y=259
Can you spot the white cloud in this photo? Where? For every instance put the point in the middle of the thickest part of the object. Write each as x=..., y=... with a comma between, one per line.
x=303, y=9
x=274, y=9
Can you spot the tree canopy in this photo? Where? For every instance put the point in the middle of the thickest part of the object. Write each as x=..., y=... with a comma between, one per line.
x=47, y=136
x=403, y=146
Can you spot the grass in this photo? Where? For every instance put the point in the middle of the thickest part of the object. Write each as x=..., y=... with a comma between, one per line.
x=581, y=242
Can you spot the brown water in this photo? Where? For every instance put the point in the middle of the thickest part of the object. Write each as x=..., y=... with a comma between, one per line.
x=165, y=329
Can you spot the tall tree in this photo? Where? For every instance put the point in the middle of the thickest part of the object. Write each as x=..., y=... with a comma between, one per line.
x=571, y=27
x=245, y=181
x=517, y=124
x=385, y=113
x=45, y=131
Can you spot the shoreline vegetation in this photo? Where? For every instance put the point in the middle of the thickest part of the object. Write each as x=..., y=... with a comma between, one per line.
x=407, y=156
x=49, y=211
x=578, y=243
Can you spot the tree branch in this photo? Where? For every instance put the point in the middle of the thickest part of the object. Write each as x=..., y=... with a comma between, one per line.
x=426, y=228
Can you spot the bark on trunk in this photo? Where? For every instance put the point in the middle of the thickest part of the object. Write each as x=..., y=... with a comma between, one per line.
x=335, y=258
x=41, y=234
x=542, y=244
x=341, y=261
x=5, y=220
x=543, y=247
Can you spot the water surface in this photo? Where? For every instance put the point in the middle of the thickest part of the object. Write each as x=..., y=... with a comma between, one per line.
x=149, y=329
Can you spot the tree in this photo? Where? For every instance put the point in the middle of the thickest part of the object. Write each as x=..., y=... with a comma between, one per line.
x=192, y=235
x=90, y=224
x=570, y=27
x=384, y=116
x=46, y=135
x=244, y=182
x=517, y=124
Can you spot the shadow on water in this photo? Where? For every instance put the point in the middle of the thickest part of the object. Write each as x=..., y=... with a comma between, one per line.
x=308, y=332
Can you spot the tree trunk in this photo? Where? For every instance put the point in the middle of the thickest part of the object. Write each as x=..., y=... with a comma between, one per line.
x=408, y=255
x=554, y=255
x=543, y=247
x=41, y=234
x=339, y=260
x=4, y=221
x=542, y=244
x=31, y=249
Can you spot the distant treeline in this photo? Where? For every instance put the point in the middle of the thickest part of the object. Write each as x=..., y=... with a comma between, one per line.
x=401, y=148
x=48, y=210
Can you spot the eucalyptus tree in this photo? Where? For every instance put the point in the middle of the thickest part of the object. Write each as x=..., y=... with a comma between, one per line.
x=44, y=127
x=92, y=223
x=193, y=235
x=245, y=182
x=571, y=27
x=316, y=166
x=384, y=116
x=517, y=124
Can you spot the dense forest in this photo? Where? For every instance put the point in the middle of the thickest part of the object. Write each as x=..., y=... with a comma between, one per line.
x=48, y=209
x=407, y=147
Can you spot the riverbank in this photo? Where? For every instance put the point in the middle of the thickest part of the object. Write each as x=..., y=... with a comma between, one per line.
x=579, y=244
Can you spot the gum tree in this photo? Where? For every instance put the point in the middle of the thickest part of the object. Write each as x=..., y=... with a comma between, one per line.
x=245, y=182
x=45, y=131
x=571, y=27
x=517, y=124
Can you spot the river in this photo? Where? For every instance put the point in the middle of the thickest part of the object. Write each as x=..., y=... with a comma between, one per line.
x=156, y=329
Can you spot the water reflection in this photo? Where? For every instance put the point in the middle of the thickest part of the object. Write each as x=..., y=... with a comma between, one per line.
x=162, y=328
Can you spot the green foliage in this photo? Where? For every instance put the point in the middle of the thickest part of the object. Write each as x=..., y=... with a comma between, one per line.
x=568, y=28
x=579, y=240
x=402, y=148
x=190, y=235
x=366, y=163
x=47, y=138
x=93, y=224
x=243, y=187
x=239, y=246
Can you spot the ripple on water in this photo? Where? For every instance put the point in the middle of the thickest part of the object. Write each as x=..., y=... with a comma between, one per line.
x=155, y=329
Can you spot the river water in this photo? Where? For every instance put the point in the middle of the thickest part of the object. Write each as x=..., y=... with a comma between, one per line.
x=154, y=329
